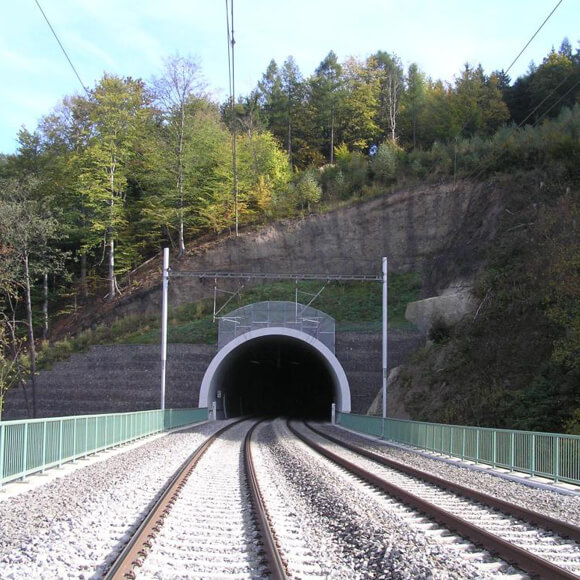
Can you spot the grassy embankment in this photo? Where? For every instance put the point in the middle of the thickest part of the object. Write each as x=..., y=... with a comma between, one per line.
x=356, y=306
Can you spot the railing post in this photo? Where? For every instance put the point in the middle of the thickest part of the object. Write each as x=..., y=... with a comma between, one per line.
x=494, y=445
x=333, y=413
x=86, y=436
x=556, y=458
x=24, y=451
x=2, y=438
x=463, y=434
x=533, y=455
x=43, y=447
x=74, y=440
x=512, y=450
x=477, y=446
x=60, y=442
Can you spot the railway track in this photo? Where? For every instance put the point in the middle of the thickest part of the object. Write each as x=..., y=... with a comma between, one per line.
x=202, y=529
x=213, y=520
x=539, y=545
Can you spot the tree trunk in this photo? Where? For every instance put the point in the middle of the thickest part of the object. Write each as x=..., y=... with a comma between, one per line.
x=45, y=306
x=180, y=180
x=112, y=284
x=290, y=142
x=111, y=229
x=31, y=347
x=332, y=136
x=84, y=284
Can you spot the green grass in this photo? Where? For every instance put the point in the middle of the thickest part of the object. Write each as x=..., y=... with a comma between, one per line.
x=356, y=306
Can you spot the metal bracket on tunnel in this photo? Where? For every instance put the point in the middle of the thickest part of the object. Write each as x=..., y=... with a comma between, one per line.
x=232, y=296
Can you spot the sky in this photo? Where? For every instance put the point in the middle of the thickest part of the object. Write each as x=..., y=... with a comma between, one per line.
x=133, y=37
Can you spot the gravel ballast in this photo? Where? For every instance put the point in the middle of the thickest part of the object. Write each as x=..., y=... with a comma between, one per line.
x=74, y=526
x=559, y=504
x=332, y=526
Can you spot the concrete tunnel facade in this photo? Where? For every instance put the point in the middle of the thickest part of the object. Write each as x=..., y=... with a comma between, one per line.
x=275, y=371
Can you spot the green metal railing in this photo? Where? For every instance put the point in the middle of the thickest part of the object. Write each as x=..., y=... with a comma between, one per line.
x=36, y=445
x=550, y=455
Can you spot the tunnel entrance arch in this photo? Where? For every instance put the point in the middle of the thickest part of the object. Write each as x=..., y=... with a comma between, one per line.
x=279, y=363
x=339, y=384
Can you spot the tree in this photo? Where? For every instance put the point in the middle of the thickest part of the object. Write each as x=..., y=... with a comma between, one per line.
x=361, y=100
x=274, y=101
x=9, y=353
x=413, y=100
x=325, y=87
x=11, y=343
x=65, y=135
x=292, y=85
x=174, y=94
x=495, y=110
x=436, y=118
x=28, y=232
x=552, y=84
x=389, y=71
x=305, y=191
x=264, y=172
x=117, y=116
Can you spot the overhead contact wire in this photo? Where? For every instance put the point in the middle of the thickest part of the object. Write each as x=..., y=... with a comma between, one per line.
x=62, y=47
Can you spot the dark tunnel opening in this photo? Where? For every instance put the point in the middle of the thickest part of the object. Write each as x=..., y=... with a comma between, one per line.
x=276, y=376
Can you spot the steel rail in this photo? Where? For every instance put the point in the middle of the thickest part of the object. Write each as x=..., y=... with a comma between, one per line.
x=507, y=551
x=276, y=565
x=136, y=550
x=549, y=523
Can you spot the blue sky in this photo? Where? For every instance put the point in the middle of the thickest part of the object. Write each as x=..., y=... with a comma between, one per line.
x=132, y=37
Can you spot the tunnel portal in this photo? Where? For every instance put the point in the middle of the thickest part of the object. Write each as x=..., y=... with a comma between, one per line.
x=279, y=369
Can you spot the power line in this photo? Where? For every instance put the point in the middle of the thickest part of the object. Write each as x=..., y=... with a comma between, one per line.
x=62, y=48
x=534, y=36
x=547, y=98
x=232, y=75
x=562, y=97
x=272, y=276
x=515, y=60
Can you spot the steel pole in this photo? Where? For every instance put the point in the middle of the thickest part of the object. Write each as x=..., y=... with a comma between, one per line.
x=385, y=351
x=164, y=324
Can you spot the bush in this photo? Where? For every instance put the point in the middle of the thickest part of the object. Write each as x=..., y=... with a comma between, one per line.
x=386, y=162
x=440, y=332
x=348, y=177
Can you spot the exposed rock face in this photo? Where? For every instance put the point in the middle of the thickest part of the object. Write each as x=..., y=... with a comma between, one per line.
x=448, y=310
x=440, y=231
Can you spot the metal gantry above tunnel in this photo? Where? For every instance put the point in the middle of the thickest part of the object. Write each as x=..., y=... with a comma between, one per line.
x=285, y=342
x=275, y=358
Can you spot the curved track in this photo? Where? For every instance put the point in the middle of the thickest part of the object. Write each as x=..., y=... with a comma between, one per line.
x=556, y=540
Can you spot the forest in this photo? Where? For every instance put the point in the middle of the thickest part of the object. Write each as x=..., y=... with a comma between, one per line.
x=110, y=176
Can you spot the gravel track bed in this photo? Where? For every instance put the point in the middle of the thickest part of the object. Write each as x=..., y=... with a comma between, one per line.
x=351, y=529
x=562, y=552
x=74, y=526
x=210, y=531
x=562, y=506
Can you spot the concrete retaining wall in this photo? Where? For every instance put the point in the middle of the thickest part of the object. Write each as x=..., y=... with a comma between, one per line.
x=111, y=379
